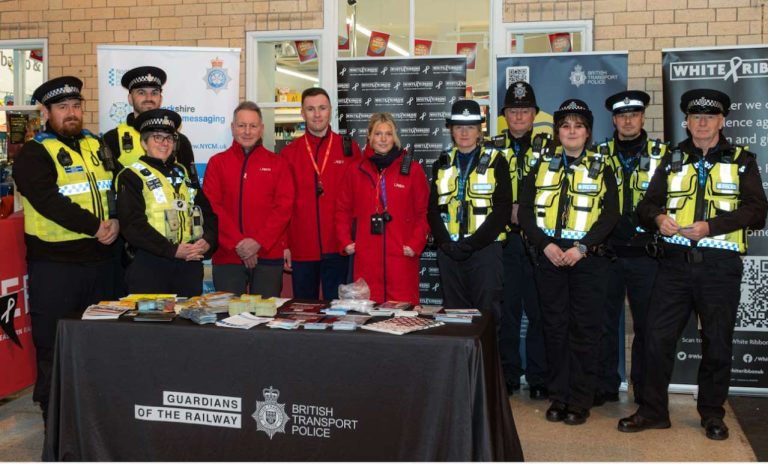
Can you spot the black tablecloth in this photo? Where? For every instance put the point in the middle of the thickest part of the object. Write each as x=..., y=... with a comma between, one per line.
x=218, y=394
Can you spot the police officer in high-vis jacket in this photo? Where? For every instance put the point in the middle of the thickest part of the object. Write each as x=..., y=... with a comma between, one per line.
x=469, y=207
x=69, y=219
x=634, y=158
x=522, y=148
x=703, y=199
x=568, y=207
x=165, y=215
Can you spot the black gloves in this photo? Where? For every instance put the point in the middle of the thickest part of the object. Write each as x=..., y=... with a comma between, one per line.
x=457, y=251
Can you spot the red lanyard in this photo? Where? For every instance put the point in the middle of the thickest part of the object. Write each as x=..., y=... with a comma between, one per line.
x=312, y=158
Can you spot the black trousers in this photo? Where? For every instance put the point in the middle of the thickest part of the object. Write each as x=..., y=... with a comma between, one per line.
x=712, y=289
x=57, y=290
x=331, y=271
x=521, y=296
x=571, y=307
x=149, y=273
x=633, y=278
x=474, y=283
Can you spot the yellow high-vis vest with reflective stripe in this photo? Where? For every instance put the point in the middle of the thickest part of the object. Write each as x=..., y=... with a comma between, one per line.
x=160, y=196
x=129, y=157
x=85, y=182
x=567, y=204
x=640, y=178
x=721, y=195
x=530, y=158
x=478, y=197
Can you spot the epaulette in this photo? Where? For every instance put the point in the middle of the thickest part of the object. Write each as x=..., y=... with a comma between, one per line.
x=405, y=163
x=499, y=142
x=603, y=149
x=444, y=160
x=538, y=142
x=676, y=160
x=88, y=133
x=40, y=136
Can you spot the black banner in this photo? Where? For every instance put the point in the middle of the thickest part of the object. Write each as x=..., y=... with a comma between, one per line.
x=742, y=73
x=418, y=92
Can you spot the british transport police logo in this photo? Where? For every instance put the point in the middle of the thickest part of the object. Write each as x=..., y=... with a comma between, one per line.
x=270, y=415
x=217, y=77
x=578, y=78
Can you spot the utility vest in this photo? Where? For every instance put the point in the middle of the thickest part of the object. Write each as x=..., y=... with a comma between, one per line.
x=568, y=202
x=81, y=178
x=638, y=180
x=129, y=141
x=463, y=218
x=522, y=163
x=169, y=212
x=687, y=202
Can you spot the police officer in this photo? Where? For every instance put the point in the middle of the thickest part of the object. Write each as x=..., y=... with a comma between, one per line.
x=703, y=198
x=522, y=149
x=634, y=158
x=69, y=219
x=145, y=92
x=469, y=205
x=166, y=217
x=568, y=207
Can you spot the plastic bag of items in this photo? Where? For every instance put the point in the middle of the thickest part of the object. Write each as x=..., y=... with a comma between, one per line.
x=357, y=290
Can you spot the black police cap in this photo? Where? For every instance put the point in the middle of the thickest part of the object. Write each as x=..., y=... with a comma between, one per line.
x=520, y=95
x=157, y=120
x=58, y=89
x=143, y=76
x=573, y=106
x=465, y=113
x=705, y=101
x=627, y=101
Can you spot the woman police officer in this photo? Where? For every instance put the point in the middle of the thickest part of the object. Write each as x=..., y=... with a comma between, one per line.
x=164, y=215
x=568, y=206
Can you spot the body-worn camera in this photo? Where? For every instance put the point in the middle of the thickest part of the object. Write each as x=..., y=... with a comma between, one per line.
x=377, y=222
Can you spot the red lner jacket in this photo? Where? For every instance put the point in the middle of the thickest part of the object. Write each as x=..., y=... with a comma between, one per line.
x=253, y=197
x=379, y=259
x=312, y=232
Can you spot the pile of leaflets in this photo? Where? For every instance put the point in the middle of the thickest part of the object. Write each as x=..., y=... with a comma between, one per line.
x=361, y=306
x=427, y=310
x=402, y=325
x=462, y=316
x=198, y=316
x=285, y=324
x=107, y=310
x=242, y=321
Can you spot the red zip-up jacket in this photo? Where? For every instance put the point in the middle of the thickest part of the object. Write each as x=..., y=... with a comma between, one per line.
x=379, y=259
x=253, y=197
x=312, y=231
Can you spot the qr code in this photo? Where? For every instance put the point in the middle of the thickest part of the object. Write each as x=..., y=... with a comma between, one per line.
x=753, y=306
x=518, y=73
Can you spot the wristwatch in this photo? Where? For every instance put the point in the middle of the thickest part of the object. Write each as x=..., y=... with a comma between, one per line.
x=581, y=247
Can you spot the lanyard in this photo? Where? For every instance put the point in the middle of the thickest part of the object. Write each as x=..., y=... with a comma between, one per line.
x=702, y=171
x=381, y=191
x=319, y=171
x=463, y=175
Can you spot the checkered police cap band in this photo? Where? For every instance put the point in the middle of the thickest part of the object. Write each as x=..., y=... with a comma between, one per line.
x=703, y=102
x=63, y=91
x=159, y=123
x=147, y=79
x=466, y=116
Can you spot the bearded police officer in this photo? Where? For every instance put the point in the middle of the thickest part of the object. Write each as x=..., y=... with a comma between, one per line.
x=469, y=206
x=69, y=219
x=145, y=92
x=522, y=149
x=703, y=198
x=634, y=159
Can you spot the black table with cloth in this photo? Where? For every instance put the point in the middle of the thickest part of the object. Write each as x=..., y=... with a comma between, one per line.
x=433, y=395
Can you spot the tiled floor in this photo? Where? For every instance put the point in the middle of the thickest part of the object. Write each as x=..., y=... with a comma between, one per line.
x=21, y=430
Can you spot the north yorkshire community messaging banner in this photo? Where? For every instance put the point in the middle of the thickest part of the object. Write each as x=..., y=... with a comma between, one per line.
x=742, y=73
x=418, y=92
x=203, y=87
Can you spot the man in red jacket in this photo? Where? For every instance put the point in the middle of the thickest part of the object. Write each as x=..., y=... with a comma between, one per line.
x=318, y=161
x=252, y=193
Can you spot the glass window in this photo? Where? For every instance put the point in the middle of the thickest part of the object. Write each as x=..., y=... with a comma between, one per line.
x=537, y=42
x=372, y=19
x=283, y=68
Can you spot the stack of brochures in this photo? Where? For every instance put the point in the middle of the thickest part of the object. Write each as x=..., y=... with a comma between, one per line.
x=463, y=316
x=402, y=325
x=242, y=321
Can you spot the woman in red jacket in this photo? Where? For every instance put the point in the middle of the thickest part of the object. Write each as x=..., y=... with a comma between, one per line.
x=381, y=215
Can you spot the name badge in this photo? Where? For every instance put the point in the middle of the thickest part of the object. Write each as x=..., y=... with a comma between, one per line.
x=179, y=205
x=727, y=186
x=72, y=169
x=587, y=187
x=482, y=188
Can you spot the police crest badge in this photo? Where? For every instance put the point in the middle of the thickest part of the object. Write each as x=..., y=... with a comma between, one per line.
x=270, y=415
